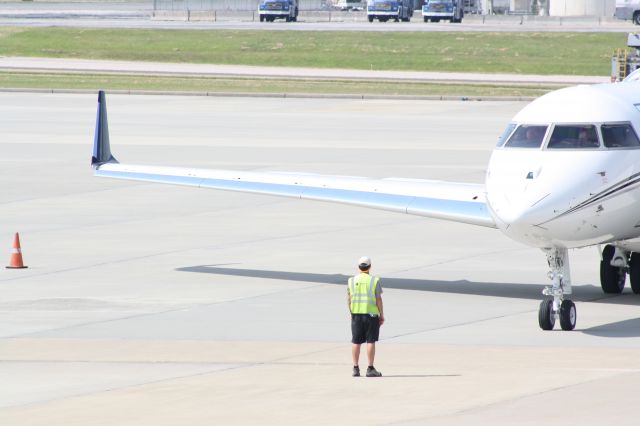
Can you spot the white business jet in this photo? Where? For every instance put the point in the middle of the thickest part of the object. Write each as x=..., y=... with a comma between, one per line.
x=565, y=174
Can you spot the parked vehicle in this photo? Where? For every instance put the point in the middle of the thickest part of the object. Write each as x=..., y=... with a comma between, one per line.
x=346, y=5
x=270, y=10
x=383, y=10
x=436, y=10
x=628, y=10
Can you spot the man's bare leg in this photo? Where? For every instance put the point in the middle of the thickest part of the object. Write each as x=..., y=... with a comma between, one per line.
x=371, y=352
x=355, y=354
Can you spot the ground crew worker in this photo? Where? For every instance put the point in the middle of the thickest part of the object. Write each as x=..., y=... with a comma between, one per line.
x=367, y=315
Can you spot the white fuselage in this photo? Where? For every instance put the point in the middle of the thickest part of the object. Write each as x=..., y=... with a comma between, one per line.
x=574, y=199
x=561, y=195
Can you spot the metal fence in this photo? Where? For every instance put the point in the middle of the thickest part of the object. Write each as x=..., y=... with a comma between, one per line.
x=227, y=5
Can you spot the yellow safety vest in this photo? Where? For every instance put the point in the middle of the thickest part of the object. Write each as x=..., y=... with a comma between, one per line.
x=362, y=289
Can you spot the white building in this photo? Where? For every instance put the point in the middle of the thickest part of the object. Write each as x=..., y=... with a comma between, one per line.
x=553, y=8
x=582, y=7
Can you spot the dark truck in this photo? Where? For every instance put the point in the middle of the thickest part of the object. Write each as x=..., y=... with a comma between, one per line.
x=383, y=10
x=436, y=10
x=270, y=10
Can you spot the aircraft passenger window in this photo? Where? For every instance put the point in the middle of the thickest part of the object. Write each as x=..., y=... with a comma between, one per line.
x=574, y=137
x=619, y=136
x=527, y=136
x=507, y=132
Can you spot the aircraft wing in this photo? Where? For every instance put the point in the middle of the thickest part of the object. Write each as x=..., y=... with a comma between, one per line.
x=460, y=202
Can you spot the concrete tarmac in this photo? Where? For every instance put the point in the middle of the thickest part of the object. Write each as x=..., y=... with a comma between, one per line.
x=150, y=304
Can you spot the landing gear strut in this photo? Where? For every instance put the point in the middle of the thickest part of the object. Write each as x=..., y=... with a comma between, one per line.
x=555, y=305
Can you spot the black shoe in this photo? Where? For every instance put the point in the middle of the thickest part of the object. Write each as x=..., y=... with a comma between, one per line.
x=356, y=371
x=372, y=372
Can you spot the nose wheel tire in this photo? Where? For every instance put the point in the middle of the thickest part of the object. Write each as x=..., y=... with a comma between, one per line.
x=568, y=315
x=546, y=318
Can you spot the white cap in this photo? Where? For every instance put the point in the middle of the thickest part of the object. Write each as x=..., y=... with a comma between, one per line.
x=364, y=261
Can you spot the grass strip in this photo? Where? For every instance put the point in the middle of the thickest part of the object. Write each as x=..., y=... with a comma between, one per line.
x=258, y=85
x=542, y=53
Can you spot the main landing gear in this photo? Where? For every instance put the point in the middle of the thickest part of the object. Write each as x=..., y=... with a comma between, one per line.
x=615, y=265
x=555, y=305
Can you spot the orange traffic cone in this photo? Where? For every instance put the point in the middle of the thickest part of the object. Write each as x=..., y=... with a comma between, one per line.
x=16, y=255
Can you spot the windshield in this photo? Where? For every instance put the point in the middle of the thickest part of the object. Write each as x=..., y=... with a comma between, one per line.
x=574, y=137
x=438, y=4
x=527, y=136
x=619, y=136
x=505, y=135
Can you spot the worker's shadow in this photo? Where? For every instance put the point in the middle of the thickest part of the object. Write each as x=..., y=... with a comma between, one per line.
x=417, y=376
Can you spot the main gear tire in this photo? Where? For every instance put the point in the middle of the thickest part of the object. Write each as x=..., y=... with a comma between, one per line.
x=612, y=278
x=634, y=272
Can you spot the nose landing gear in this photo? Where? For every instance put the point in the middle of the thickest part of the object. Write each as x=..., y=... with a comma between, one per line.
x=555, y=305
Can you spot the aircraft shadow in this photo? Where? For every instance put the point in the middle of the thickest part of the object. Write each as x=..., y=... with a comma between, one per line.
x=588, y=293
x=620, y=329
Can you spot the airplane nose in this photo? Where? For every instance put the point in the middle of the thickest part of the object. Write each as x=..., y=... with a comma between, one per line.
x=511, y=216
x=519, y=213
x=518, y=202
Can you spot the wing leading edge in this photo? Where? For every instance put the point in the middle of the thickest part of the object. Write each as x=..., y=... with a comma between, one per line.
x=457, y=202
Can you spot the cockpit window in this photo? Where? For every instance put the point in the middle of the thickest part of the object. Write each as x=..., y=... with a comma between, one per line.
x=619, y=136
x=574, y=137
x=527, y=136
x=507, y=132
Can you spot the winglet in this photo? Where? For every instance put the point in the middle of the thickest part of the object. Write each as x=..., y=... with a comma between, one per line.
x=101, y=149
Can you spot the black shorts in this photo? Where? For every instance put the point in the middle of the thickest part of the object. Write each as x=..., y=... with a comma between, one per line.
x=364, y=328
